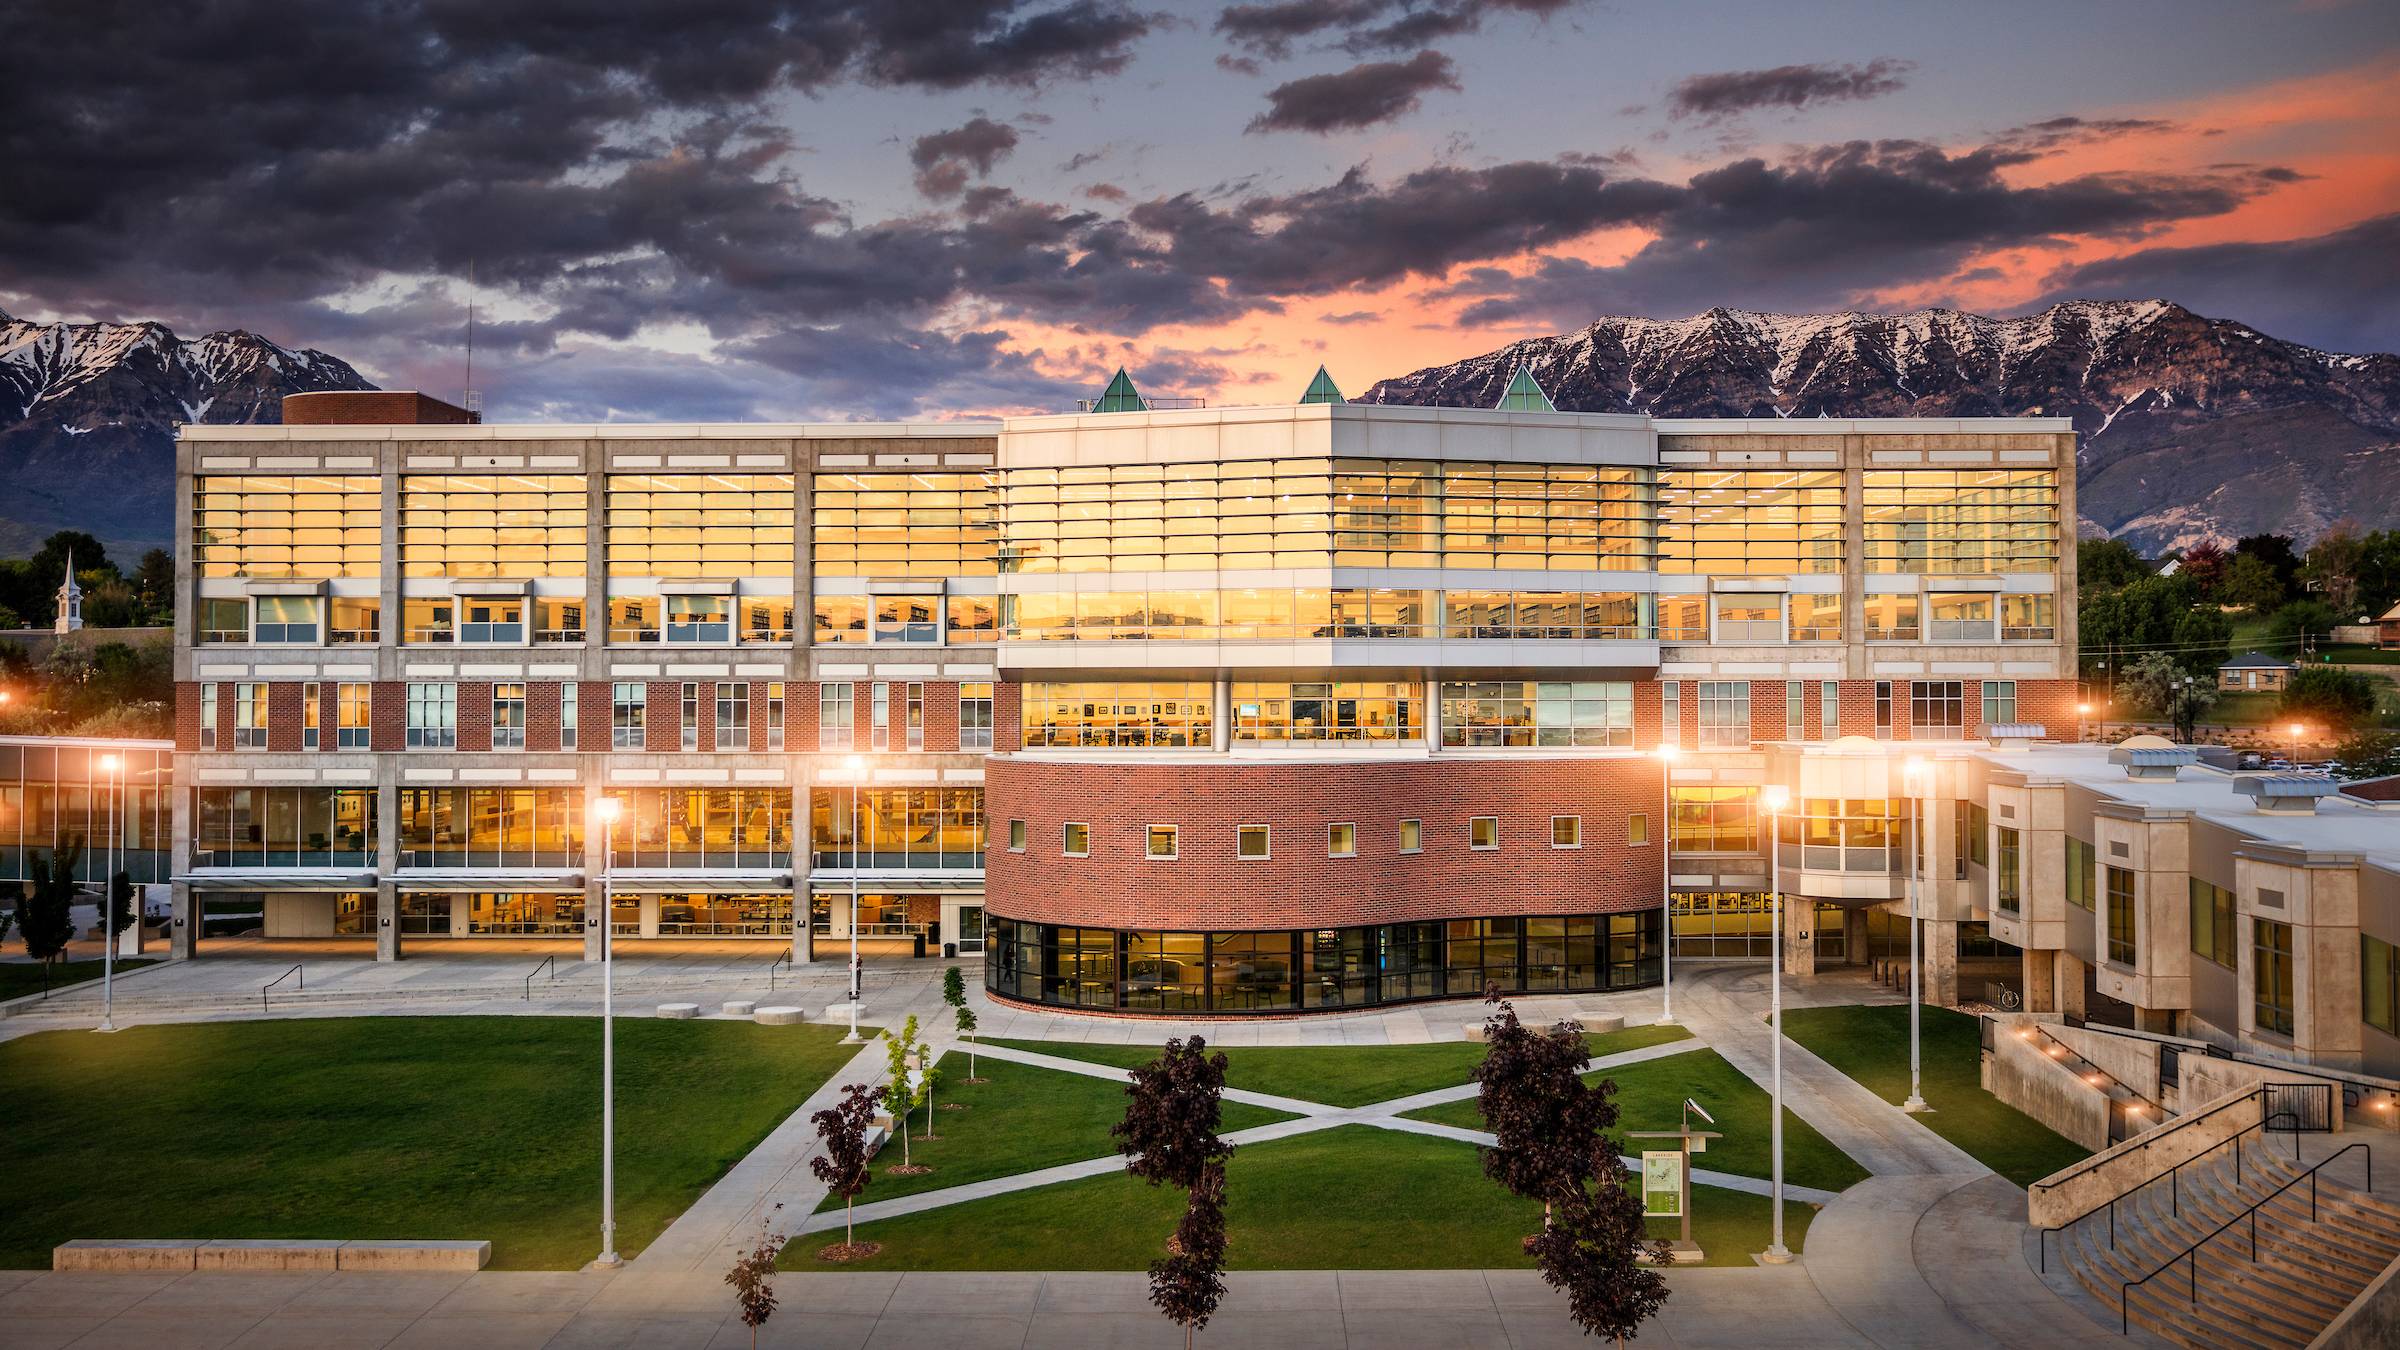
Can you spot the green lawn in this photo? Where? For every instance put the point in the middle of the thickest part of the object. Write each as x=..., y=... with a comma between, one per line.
x=1344, y=1075
x=18, y=978
x=1349, y=1198
x=1023, y=1120
x=2351, y=655
x=1871, y=1045
x=392, y=1127
x=1650, y=1097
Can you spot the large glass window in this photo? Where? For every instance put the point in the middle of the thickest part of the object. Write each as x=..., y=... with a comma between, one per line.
x=2270, y=975
x=1541, y=614
x=1816, y=618
x=1749, y=522
x=1130, y=715
x=2008, y=885
x=1713, y=819
x=1482, y=952
x=837, y=715
x=1849, y=834
x=492, y=525
x=432, y=716
x=898, y=828
x=1524, y=713
x=628, y=709
x=705, y=827
x=1749, y=618
x=1959, y=617
x=2212, y=923
x=557, y=914
x=2082, y=873
x=2379, y=984
x=287, y=618
x=908, y=618
x=921, y=524
x=1724, y=712
x=1962, y=522
x=1324, y=713
x=975, y=715
x=250, y=717
x=354, y=709
x=284, y=526
x=700, y=525
x=508, y=717
x=1893, y=618
x=1937, y=709
x=2123, y=923
x=492, y=827
x=2028, y=618
x=283, y=827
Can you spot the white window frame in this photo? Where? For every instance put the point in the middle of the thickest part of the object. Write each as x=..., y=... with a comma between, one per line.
x=1067, y=830
x=1575, y=829
x=1333, y=840
x=250, y=716
x=1016, y=835
x=837, y=733
x=312, y=715
x=1412, y=836
x=208, y=716
x=1241, y=840
x=1475, y=821
x=628, y=733
x=433, y=715
x=509, y=737
x=1150, y=834
x=570, y=699
x=732, y=729
x=361, y=736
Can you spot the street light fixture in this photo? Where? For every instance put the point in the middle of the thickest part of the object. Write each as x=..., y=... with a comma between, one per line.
x=608, y=809
x=1667, y=755
x=1774, y=799
x=112, y=765
x=2295, y=729
x=856, y=768
x=1915, y=773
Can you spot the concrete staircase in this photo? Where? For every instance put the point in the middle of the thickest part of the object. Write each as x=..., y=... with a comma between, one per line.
x=2307, y=1269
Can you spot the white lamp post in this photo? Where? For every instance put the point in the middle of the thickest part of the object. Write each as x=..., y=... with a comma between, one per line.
x=2295, y=728
x=113, y=766
x=856, y=766
x=1914, y=774
x=607, y=809
x=1773, y=799
x=1666, y=883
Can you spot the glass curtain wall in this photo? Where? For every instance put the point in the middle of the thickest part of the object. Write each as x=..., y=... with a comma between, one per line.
x=705, y=827
x=284, y=827
x=59, y=794
x=491, y=827
x=906, y=829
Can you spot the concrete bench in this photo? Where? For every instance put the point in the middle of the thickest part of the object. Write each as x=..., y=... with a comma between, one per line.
x=679, y=1012
x=779, y=1017
x=122, y=1255
x=1604, y=1022
x=740, y=1007
x=266, y=1254
x=430, y=1254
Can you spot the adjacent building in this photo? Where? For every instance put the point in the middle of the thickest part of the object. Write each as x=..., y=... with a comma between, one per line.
x=1197, y=710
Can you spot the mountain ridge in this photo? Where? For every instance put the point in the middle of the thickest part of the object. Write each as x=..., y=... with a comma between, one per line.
x=2289, y=438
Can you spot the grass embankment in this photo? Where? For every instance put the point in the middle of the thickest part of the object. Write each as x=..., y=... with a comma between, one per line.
x=19, y=978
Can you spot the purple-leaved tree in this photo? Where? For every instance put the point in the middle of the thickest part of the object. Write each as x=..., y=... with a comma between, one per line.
x=1169, y=1137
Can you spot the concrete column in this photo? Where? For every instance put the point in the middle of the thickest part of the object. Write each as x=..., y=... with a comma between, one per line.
x=387, y=853
x=650, y=908
x=1799, y=935
x=387, y=919
x=1940, y=947
x=461, y=909
x=183, y=934
x=1432, y=704
x=804, y=946
x=1854, y=936
x=1221, y=726
x=2041, y=981
x=2066, y=982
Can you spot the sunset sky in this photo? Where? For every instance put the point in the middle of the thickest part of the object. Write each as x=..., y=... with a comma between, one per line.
x=751, y=209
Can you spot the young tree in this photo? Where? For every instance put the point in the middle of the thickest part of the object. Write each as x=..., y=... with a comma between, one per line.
x=1589, y=1248
x=843, y=1165
x=753, y=1279
x=46, y=915
x=966, y=1032
x=1169, y=1137
x=931, y=1078
x=1540, y=1113
x=954, y=988
x=2333, y=565
x=900, y=1097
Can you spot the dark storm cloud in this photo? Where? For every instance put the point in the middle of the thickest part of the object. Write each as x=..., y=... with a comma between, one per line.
x=1828, y=225
x=1361, y=26
x=2333, y=291
x=1361, y=96
x=945, y=159
x=1734, y=92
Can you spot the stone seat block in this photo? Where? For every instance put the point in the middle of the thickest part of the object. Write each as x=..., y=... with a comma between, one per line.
x=414, y=1255
x=124, y=1254
x=740, y=1007
x=266, y=1254
x=679, y=1012
x=779, y=1016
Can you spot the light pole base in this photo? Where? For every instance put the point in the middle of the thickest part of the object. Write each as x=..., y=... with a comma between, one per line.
x=1776, y=1256
x=1914, y=1105
x=608, y=1261
x=106, y=1026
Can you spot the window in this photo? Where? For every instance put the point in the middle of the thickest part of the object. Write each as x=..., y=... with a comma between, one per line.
x=249, y=717
x=699, y=618
x=1937, y=709
x=1712, y=819
x=879, y=715
x=908, y=618
x=1075, y=839
x=1412, y=836
x=279, y=526
x=354, y=711
x=2123, y=926
x=1670, y=712
x=1121, y=716
x=425, y=619
x=569, y=696
x=700, y=525
x=1959, y=617
x=1816, y=618
x=283, y=827
x=1795, y=710
x=219, y=619
x=1949, y=522
x=1682, y=618
x=1749, y=618
x=1544, y=714
x=1999, y=703
x=1829, y=710
x=2008, y=877
x=557, y=620
x=208, y=717
x=1883, y=710
x=508, y=717
x=974, y=618
x=1892, y=618
x=1724, y=712
x=2270, y=975
x=491, y=827
x=1161, y=842
x=1016, y=836
x=1323, y=713
x=691, y=715
x=1250, y=841
x=312, y=711
x=733, y=715
x=629, y=708
x=2028, y=618
x=491, y=619
x=1775, y=522
x=765, y=618
x=2082, y=873
x=975, y=716
x=511, y=525
x=285, y=618
x=633, y=618
x=1637, y=828
x=432, y=716
x=2212, y=923
x=356, y=618
x=1483, y=832
x=916, y=716
x=1566, y=832
x=921, y=524
x=2379, y=984
x=1341, y=840
x=775, y=715
x=837, y=717
x=838, y=618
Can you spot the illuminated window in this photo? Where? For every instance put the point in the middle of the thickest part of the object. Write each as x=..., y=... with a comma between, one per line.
x=1129, y=715
x=1749, y=618
x=1324, y=713
x=2270, y=975
x=2028, y=618
x=903, y=524
x=354, y=715
x=629, y=708
x=433, y=716
x=1937, y=709
x=249, y=717
x=2123, y=924
x=1547, y=713
x=1075, y=839
x=1566, y=832
x=484, y=525
x=1250, y=841
x=1749, y=522
x=1341, y=840
x=1816, y=618
x=1724, y=712
x=1962, y=522
x=283, y=526
x=733, y=715
x=1892, y=618
x=975, y=716
x=356, y=618
x=1412, y=836
x=700, y=525
x=508, y=717
x=837, y=716
x=1161, y=842
x=1959, y=617
x=1712, y=819
x=1483, y=832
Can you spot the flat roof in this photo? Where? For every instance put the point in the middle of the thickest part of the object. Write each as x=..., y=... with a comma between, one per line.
x=2340, y=825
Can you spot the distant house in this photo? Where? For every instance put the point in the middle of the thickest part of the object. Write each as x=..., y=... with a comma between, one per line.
x=2251, y=672
x=2387, y=629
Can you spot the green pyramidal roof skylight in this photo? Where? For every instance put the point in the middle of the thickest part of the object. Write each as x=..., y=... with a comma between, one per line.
x=1524, y=395
x=1120, y=396
x=1322, y=390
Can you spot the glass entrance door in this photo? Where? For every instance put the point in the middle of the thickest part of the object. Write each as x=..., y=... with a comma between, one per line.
x=970, y=929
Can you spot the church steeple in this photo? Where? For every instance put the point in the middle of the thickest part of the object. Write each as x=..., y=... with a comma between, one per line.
x=70, y=600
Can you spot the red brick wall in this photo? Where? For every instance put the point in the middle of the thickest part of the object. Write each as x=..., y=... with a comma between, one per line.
x=662, y=724
x=598, y=715
x=329, y=715
x=474, y=716
x=284, y=709
x=1766, y=710
x=225, y=714
x=1299, y=886
x=1008, y=715
x=862, y=714
x=1858, y=707
x=800, y=715
x=390, y=715
x=187, y=715
x=2051, y=703
x=541, y=715
x=941, y=715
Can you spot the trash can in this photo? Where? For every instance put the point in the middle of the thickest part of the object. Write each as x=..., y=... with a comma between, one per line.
x=949, y=950
x=920, y=946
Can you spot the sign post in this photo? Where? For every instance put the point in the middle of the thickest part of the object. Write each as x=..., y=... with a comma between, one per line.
x=1667, y=1179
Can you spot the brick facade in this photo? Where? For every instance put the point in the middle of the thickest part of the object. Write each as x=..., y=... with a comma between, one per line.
x=541, y=715
x=474, y=716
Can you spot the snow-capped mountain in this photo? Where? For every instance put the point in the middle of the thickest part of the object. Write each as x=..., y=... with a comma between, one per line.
x=2192, y=427
x=88, y=411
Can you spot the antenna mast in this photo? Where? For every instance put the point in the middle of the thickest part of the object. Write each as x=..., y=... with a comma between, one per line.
x=471, y=400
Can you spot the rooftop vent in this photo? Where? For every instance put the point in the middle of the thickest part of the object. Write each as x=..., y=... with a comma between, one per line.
x=2152, y=757
x=2285, y=793
x=2014, y=735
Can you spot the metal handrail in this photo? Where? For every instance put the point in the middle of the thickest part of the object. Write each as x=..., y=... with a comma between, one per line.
x=2192, y=1253
x=2172, y=1174
x=549, y=963
x=2063, y=1179
x=783, y=960
x=301, y=983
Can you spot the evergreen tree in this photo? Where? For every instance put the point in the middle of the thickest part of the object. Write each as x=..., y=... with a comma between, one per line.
x=2335, y=699
x=121, y=917
x=46, y=915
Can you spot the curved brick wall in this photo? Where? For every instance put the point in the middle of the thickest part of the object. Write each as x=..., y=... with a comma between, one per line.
x=1300, y=887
